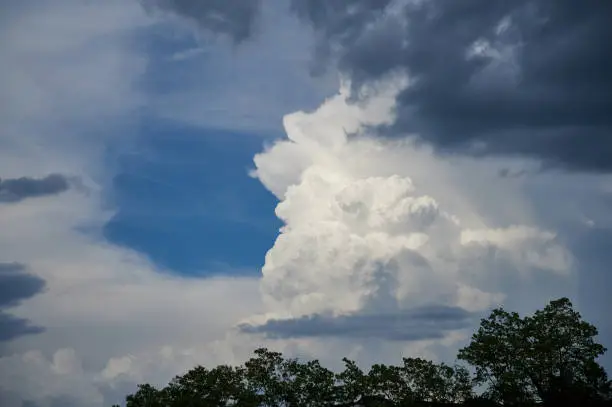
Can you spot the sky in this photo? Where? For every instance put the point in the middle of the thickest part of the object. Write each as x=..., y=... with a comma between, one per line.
x=183, y=181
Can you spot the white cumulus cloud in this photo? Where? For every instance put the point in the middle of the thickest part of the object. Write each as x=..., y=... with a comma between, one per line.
x=374, y=227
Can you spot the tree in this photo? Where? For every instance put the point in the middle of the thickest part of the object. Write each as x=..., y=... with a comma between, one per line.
x=549, y=356
x=312, y=384
x=146, y=395
x=276, y=381
x=438, y=383
x=418, y=380
x=266, y=378
x=199, y=387
x=387, y=382
x=352, y=384
x=563, y=348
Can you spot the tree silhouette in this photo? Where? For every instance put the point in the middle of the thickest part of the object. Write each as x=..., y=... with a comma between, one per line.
x=548, y=358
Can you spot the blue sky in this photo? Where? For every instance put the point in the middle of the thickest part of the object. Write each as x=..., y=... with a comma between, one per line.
x=182, y=181
x=182, y=193
x=183, y=197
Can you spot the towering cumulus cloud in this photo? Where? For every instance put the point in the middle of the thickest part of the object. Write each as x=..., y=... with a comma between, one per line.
x=384, y=240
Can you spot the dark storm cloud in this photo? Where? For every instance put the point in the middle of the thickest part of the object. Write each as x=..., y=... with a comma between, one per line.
x=339, y=21
x=18, y=189
x=235, y=18
x=525, y=77
x=16, y=285
x=418, y=324
x=12, y=327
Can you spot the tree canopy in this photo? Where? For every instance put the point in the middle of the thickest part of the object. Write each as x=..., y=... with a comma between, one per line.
x=549, y=358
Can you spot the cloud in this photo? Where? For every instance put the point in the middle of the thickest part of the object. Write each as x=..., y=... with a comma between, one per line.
x=375, y=229
x=15, y=190
x=206, y=84
x=68, y=86
x=234, y=18
x=592, y=247
x=12, y=327
x=105, y=305
x=367, y=232
x=22, y=285
x=70, y=90
x=528, y=78
x=410, y=325
x=15, y=286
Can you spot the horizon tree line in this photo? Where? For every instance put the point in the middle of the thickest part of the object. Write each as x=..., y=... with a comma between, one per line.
x=549, y=358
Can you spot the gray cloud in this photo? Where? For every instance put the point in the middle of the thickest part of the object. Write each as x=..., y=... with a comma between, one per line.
x=417, y=324
x=18, y=189
x=15, y=286
x=539, y=84
x=12, y=327
x=57, y=401
x=234, y=18
x=507, y=173
x=592, y=248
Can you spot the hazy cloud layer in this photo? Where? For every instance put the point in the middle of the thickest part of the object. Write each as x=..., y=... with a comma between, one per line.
x=410, y=325
x=16, y=285
x=234, y=18
x=524, y=77
x=17, y=189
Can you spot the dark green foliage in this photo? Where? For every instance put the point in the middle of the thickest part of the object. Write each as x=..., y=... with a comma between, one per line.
x=437, y=383
x=548, y=358
x=388, y=382
x=146, y=395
